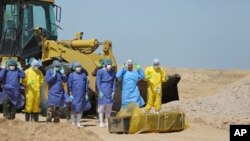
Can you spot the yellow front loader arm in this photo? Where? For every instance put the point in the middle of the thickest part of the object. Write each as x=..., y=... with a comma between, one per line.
x=78, y=50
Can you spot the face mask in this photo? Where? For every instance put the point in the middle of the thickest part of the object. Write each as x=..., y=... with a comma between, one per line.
x=12, y=67
x=78, y=69
x=109, y=67
x=156, y=67
x=35, y=67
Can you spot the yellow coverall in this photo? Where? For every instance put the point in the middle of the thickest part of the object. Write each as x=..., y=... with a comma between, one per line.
x=33, y=81
x=154, y=78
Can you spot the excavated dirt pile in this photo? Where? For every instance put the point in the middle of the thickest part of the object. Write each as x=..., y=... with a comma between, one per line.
x=18, y=130
x=230, y=105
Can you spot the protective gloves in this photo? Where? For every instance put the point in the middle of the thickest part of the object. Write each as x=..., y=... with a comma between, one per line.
x=62, y=71
x=112, y=95
x=19, y=66
x=54, y=71
x=158, y=90
x=32, y=82
x=71, y=97
x=40, y=62
x=137, y=66
x=87, y=97
x=101, y=95
x=124, y=66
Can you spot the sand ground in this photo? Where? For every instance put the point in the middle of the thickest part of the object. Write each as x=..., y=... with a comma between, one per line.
x=206, y=96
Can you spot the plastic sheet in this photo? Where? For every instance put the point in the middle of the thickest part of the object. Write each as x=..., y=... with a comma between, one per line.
x=152, y=122
x=165, y=122
x=137, y=124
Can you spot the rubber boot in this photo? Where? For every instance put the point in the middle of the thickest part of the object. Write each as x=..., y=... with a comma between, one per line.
x=12, y=112
x=27, y=117
x=106, y=119
x=73, y=119
x=157, y=111
x=101, y=120
x=32, y=117
x=78, y=120
x=68, y=113
x=36, y=117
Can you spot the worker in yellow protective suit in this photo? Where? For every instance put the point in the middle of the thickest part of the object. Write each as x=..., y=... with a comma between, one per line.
x=33, y=83
x=154, y=75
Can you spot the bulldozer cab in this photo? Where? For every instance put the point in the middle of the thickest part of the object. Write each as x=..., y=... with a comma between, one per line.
x=18, y=19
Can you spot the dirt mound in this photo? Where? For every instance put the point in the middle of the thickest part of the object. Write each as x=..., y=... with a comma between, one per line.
x=228, y=106
x=203, y=82
x=17, y=130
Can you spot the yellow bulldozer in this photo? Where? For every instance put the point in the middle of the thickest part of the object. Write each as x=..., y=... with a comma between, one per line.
x=28, y=29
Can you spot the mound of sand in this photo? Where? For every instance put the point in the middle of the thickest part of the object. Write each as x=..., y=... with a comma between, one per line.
x=228, y=106
x=210, y=98
x=202, y=82
x=22, y=131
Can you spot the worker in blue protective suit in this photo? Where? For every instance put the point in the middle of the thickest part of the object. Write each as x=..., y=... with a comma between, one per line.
x=105, y=81
x=78, y=91
x=11, y=74
x=130, y=74
x=56, y=99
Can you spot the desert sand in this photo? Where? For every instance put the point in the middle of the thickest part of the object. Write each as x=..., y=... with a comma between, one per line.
x=211, y=99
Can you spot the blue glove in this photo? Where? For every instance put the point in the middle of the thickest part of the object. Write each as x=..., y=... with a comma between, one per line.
x=87, y=97
x=62, y=71
x=54, y=71
x=19, y=66
x=40, y=62
x=101, y=95
x=112, y=95
x=71, y=97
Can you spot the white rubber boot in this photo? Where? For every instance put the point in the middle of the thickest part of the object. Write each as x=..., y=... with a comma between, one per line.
x=73, y=119
x=101, y=120
x=78, y=120
x=157, y=112
x=106, y=119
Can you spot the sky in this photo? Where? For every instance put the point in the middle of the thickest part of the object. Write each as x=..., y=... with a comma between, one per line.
x=212, y=34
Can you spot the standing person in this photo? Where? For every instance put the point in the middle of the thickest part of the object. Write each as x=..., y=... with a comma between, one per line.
x=154, y=75
x=34, y=81
x=11, y=97
x=130, y=75
x=55, y=77
x=105, y=80
x=78, y=90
